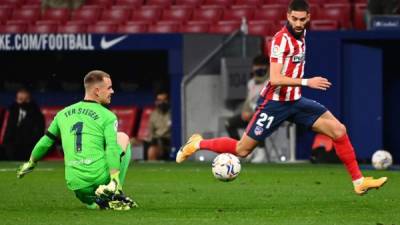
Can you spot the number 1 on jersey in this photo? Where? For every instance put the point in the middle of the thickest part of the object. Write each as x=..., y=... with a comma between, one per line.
x=77, y=127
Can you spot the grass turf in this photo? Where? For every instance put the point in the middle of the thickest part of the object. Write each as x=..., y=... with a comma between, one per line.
x=188, y=194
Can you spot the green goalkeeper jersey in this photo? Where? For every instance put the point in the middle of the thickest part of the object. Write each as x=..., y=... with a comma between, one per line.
x=88, y=134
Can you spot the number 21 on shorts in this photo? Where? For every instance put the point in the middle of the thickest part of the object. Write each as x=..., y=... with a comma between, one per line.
x=264, y=118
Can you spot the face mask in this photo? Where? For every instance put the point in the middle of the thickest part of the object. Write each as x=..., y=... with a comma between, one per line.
x=260, y=72
x=164, y=107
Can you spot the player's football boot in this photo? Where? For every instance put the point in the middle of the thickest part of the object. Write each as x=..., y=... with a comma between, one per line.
x=191, y=146
x=369, y=183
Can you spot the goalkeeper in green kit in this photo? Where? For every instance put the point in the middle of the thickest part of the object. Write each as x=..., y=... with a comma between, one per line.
x=96, y=156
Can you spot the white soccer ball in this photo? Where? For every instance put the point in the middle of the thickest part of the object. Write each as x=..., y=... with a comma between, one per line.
x=381, y=160
x=226, y=167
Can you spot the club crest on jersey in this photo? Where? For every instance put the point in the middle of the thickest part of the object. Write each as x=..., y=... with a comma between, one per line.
x=258, y=131
x=298, y=58
x=275, y=50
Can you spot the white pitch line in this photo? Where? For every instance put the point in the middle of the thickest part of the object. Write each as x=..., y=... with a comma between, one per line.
x=15, y=169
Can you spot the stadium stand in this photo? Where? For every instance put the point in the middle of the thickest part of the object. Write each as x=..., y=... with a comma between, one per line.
x=127, y=118
x=324, y=25
x=60, y=15
x=143, y=131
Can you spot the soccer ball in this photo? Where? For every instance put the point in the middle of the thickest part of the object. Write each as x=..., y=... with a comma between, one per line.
x=226, y=167
x=381, y=160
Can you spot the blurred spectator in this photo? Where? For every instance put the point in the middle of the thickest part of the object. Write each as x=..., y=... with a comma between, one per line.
x=259, y=76
x=54, y=4
x=25, y=126
x=160, y=129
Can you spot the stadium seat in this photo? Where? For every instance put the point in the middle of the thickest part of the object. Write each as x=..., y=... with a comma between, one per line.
x=225, y=3
x=5, y=13
x=103, y=3
x=14, y=3
x=211, y=15
x=13, y=28
x=127, y=118
x=225, y=27
x=189, y=2
x=60, y=15
x=33, y=2
x=195, y=27
x=339, y=12
x=270, y=13
x=280, y=2
x=314, y=9
x=164, y=28
x=103, y=27
x=261, y=27
x=324, y=25
x=180, y=14
x=90, y=15
x=4, y=125
x=238, y=13
x=132, y=28
x=29, y=15
x=143, y=131
x=146, y=14
x=42, y=28
x=249, y=2
x=131, y=3
x=72, y=28
x=116, y=15
x=163, y=3
x=359, y=16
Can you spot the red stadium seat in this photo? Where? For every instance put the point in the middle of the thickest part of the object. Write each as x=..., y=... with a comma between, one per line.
x=249, y=2
x=163, y=3
x=13, y=28
x=238, y=13
x=211, y=15
x=72, y=28
x=103, y=27
x=60, y=15
x=261, y=27
x=180, y=14
x=314, y=9
x=103, y=3
x=271, y=13
x=195, y=28
x=143, y=132
x=127, y=118
x=90, y=15
x=132, y=28
x=33, y=2
x=359, y=16
x=225, y=27
x=131, y=3
x=280, y=2
x=4, y=124
x=116, y=15
x=164, y=28
x=146, y=14
x=225, y=3
x=5, y=13
x=14, y=3
x=189, y=2
x=29, y=15
x=42, y=28
x=324, y=25
x=339, y=12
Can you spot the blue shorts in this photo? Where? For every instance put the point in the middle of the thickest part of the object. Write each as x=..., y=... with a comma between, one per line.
x=270, y=114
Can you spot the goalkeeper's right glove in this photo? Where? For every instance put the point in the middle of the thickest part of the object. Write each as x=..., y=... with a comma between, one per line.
x=111, y=188
x=25, y=168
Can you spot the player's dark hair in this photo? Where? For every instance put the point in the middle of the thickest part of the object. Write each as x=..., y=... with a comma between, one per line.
x=260, y=60
x=94, y=76
x=299, y=5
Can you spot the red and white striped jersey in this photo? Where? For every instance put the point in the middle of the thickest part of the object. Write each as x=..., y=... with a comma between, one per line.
x=289, y=51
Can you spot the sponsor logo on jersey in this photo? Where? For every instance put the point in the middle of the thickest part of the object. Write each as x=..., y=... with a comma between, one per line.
x=298, y=58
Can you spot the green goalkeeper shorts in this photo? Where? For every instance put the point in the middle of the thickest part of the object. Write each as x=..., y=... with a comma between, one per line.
x=87, y=195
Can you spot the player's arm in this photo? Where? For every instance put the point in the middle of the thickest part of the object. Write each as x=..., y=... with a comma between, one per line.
x=279, y=79
x=40, y=150
x=113, y=153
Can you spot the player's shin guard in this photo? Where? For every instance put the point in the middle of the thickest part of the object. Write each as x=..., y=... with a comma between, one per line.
x=345, y=152
x=220, y=145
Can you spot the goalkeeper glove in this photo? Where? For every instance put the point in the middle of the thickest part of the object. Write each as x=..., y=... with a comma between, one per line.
x=111, y=188
x=25, y=168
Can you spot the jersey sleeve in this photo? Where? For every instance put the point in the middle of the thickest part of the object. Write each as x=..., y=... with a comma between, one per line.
x=44, y=144
x=113, y=150
x=53, y=129
x=279, y=49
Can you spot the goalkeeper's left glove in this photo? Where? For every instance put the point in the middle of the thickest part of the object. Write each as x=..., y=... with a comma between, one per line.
x=25, y=168
x=111, y=188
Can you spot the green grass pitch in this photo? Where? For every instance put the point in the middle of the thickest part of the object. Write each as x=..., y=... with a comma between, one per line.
x=174, y=194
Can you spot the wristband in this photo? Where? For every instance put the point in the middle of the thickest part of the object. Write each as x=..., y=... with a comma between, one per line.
x=304, y=82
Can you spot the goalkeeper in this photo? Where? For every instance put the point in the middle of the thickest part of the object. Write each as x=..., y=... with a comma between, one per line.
x=96, y=156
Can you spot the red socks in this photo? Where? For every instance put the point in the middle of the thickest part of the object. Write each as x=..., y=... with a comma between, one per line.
x=345, y=152
x=220, y=145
